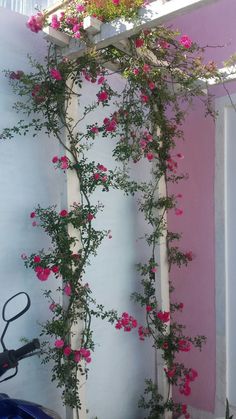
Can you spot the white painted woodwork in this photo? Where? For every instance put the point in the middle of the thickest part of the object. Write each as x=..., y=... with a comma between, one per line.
x=92, y=25
x=58, y=38
x=152, y=15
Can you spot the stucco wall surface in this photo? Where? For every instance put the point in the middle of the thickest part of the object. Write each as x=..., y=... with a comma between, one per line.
x=27, y=178
x=212, y=25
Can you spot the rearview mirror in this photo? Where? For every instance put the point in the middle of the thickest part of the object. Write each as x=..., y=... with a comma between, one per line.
x=15, y=307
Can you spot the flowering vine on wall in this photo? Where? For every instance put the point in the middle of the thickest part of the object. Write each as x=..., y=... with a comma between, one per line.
x=161, y=74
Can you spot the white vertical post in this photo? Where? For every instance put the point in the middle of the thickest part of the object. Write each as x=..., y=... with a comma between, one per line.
x=73, y=195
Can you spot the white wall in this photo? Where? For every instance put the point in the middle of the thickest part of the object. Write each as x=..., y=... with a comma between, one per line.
x=120, y=362
x=27, y=178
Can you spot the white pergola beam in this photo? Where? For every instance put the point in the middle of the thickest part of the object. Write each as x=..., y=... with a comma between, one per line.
x=154, y=14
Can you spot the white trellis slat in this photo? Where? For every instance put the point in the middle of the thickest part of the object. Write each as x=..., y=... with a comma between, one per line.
x=154, y=14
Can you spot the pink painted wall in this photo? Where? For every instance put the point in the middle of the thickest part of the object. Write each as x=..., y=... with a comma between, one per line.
x=195, y=285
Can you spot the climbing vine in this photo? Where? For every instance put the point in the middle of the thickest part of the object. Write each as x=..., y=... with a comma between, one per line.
x=160, y=71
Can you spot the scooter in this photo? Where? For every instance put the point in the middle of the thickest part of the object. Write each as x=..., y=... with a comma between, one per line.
x=9, y=359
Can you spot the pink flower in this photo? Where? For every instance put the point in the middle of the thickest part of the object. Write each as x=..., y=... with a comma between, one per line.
x=189, y=255
x=101, y=80
x=151, y=85
x=55, y=24
x=139, y=42
x=67, y=351
x=23, y=256
x=148, y=309
x=55, y=159
x=102, y=96
x=164, y=316
x=52, y=306
x=90, y=216
x=64, y=162
x=55, y=74
x=110, y=124
x=153, y=270
x=32, y=215
x=43, y=274
x=165, y=345
x=185, y=389
x=59, y=343
x=178, y=211
x=96, y=176
x=150, y=156
x=37, y=259
x=55, y=269
x=104, y=179
x=135, y=71
x=184, y=345
x=163, y=44
x=102, y=168
x=80, y=8
x=34, y=224
x=185, y=41
x=146, y=68
x=77, y=356
x=63, y=213
x=94, y=130
x=35, y=23
x=171, y=372
x=116, y=2
x=77, y=35
x=144, y=98
x=67, y=290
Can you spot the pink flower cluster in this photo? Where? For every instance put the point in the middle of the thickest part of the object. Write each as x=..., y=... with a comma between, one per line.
x=35, y=23
x=62, y=162
x=100, y=174
x=55, y=74
x=184, y=345
x=110, y=125
x=184, y=386
x=143, y=332
x=164, y=316
x=102, y=96
x=37, y=93
x=41, y=272
x=185, y=41
x=78, y=355
x=126, y=322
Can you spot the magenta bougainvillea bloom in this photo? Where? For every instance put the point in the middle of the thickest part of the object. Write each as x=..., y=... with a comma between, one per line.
x=150, y=156
x=55, y=269
x=90, y=216
x=35, y=23
x=32, y=214
x=37, y=259
x=139, y=42
x=102, y=96
x=55, y=74
x=178, y=211
x=67, y=290
x=164, y=316
x=67, y=351
x=59, y=343
x=184, y=345
x=185, y=41
x=42, y=273
x=63, y=213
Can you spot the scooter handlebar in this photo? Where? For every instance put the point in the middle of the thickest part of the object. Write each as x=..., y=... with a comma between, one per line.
x=26, y=349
